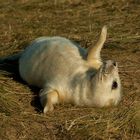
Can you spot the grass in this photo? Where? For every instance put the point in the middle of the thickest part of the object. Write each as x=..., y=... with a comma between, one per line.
x=20, y=111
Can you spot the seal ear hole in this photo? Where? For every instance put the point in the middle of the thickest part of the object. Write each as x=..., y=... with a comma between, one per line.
x=114, y=85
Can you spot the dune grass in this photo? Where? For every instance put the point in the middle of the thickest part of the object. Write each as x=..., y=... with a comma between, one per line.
x=20, y=112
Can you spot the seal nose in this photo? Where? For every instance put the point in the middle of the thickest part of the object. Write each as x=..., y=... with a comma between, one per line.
x=114, y=63
x=109, y=63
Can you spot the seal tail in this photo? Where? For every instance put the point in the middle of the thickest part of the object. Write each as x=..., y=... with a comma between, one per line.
x=11, y=59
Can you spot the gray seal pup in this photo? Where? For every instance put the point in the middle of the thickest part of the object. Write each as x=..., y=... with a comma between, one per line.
x=68, y=73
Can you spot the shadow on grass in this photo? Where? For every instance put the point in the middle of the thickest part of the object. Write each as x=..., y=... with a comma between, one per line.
x=12, y=70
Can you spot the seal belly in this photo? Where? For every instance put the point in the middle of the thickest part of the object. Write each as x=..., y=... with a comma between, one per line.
x=49, y=59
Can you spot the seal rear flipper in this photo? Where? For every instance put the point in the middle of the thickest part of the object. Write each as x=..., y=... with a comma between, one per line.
x=12, y=59
x=10, y=63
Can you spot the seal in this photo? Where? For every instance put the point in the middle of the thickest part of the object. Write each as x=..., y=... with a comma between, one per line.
x=68, y=73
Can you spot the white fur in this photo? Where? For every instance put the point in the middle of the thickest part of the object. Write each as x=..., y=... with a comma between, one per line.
x=56, y=64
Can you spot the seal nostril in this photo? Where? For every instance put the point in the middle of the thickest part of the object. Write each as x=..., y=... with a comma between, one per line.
x=105, y=63
x=114, y=63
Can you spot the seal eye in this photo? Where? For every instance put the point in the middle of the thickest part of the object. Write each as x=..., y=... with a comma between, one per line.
x=114, y=85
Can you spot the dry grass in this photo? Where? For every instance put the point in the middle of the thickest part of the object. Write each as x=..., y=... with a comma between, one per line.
x=20, y=112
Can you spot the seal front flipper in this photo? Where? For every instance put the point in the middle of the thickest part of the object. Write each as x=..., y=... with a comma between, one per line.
x=93, y=56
